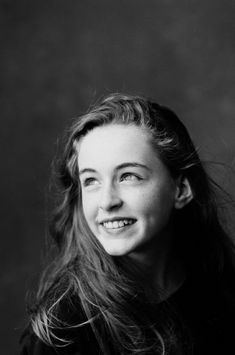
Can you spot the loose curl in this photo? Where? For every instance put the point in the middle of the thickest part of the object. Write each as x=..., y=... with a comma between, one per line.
x=104, y=286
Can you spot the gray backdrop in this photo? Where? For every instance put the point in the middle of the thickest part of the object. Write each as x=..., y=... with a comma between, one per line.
x=56, y=57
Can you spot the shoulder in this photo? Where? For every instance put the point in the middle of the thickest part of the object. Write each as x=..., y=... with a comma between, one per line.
x=71, y=316
x=83, y=342
x=207, y=308
x=30, y=344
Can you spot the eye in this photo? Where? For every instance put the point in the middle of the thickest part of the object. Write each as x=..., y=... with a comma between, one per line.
x=90, y=182
x=130, y=177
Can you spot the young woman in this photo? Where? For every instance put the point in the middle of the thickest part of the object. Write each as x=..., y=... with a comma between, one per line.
x=143, y=265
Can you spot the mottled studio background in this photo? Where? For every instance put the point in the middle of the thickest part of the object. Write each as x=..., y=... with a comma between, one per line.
x=56, y=57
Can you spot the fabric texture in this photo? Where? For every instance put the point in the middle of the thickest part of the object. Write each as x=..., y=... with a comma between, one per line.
x=205, y=309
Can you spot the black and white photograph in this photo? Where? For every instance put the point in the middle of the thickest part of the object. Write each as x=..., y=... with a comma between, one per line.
x=118, y=177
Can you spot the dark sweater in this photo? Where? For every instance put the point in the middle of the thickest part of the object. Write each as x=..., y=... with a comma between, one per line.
x=205, y=309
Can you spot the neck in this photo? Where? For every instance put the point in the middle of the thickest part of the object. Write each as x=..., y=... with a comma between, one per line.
x=162, y=269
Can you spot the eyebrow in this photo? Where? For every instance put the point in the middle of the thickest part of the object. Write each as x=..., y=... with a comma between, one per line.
x=119, y=167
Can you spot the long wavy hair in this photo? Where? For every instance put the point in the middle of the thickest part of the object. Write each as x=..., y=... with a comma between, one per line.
x=104, y=287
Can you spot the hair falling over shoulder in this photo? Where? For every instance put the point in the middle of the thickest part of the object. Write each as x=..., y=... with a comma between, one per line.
x=83, y=276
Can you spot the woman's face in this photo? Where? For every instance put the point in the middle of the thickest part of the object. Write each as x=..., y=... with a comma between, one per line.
x=128, y=194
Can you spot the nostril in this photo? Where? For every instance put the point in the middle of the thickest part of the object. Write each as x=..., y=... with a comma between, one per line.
x=110, y=203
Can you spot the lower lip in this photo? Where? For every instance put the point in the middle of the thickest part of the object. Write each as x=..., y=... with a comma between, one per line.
x=117, y=230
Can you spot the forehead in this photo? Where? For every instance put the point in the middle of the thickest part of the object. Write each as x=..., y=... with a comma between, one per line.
x=114, y=144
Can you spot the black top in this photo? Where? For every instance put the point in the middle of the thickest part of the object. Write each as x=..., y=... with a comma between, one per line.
x=207, y=311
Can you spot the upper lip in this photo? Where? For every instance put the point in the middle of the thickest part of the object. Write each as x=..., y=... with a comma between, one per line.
x=105, y=220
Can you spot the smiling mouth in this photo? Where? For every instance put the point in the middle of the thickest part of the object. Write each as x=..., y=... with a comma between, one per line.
x=118, y=223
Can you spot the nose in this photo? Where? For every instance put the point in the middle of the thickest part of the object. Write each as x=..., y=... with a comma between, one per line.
x=110, y=198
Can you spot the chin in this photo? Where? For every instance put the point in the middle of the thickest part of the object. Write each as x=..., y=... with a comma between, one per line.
x=115, y=250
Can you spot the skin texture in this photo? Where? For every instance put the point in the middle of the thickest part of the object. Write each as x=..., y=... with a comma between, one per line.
x=147, y=194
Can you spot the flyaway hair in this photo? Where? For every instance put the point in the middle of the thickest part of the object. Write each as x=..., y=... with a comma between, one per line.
x=110, y=290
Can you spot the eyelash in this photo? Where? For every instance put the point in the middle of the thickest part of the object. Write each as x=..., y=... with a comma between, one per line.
x=132, y=175
x=87, y=182
x=124, y=177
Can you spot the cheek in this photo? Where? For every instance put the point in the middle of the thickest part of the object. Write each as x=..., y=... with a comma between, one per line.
x=157, y=203
x=89, y=207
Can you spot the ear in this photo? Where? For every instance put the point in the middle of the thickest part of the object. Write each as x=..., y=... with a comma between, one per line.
x=184, y=192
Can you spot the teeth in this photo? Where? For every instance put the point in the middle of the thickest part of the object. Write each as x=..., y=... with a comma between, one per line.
x=117, y=224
